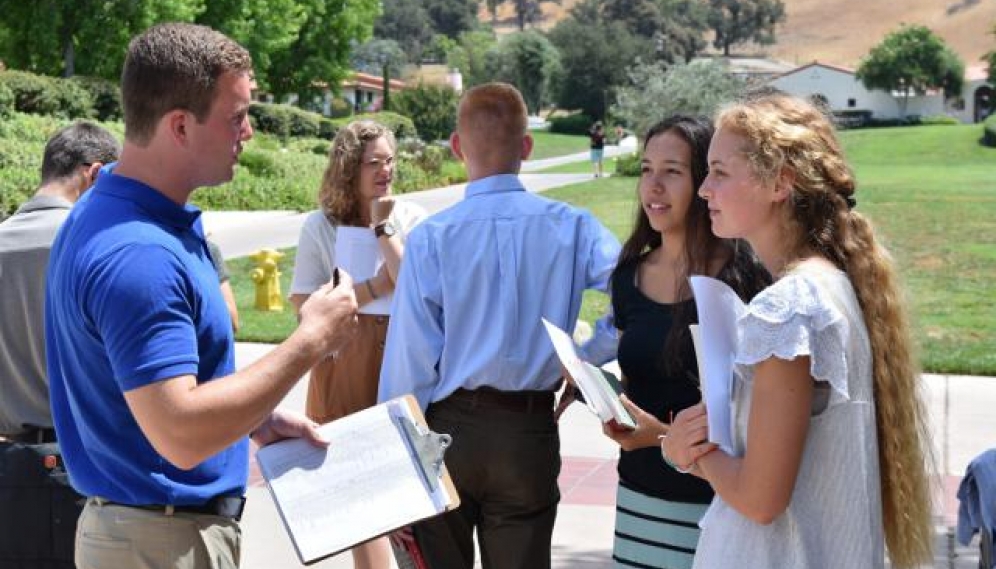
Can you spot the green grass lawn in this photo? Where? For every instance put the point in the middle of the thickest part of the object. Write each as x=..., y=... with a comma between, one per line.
x=931, y=192
x=548, y=145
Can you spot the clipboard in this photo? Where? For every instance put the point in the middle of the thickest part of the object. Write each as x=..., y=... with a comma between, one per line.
x=383, y=470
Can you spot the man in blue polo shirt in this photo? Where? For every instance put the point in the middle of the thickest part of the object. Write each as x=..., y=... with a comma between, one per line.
x=152, y=416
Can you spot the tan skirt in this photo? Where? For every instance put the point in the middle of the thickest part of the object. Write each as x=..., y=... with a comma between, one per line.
x=347, y=383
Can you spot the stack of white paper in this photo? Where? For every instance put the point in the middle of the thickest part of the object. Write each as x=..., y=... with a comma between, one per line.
x=600, y=388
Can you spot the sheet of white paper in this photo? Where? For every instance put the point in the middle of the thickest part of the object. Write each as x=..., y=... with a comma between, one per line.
x=363, y=485
x=697, y=345
x=357, y=252
x=719, y=308
x=598, y=394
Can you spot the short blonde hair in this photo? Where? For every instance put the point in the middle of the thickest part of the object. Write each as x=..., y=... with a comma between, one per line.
x=495, y=115
x=338, y=195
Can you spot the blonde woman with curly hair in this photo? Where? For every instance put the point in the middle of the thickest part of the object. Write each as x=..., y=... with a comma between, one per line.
x=831, y=456
x=355, y=192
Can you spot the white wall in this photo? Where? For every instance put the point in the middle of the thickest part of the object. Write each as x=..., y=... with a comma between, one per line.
x=838, y=87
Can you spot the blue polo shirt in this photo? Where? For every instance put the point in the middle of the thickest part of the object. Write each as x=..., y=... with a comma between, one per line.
x=132, y=298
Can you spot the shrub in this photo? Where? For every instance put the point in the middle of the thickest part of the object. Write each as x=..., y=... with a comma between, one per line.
x=260, y=163
x=32, y=93
x=578, y=123
x=628, y=165
x=432, y=109
x=6, y=100
x=41, y=95
x=271, y=118
x=327, y=128
x=401, y=126
x=75, y=101
x=106, y=97
x=303, y=123
x=340, y=108
x=989, y=131
x=940, y=120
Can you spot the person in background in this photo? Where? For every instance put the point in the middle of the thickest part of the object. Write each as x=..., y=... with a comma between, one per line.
x=830, y=444
x=658, y=508
x=152, y=416
x=355, y=192
x=466, y=338
x=224, y=281
x=71, y=162
x=596, y=137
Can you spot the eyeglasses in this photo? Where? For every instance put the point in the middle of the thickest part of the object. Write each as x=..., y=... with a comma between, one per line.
x=379, y=162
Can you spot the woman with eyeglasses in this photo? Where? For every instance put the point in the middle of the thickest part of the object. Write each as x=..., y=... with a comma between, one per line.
x=355, y=192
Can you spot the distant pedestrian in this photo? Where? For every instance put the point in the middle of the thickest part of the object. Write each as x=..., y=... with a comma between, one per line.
x=597, y=143
x=830, y=451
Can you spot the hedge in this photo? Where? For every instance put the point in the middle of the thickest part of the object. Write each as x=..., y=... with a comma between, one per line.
x=400, y=125
x=989, y=130
x=579, y=123
x=42, y=95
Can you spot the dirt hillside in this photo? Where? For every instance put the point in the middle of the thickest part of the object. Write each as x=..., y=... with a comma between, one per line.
x=842, y=31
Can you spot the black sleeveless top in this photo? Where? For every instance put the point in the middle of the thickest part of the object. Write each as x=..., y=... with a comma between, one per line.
x=645, y=325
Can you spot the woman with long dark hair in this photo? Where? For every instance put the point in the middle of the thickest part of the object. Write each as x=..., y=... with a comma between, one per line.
x=657, y=507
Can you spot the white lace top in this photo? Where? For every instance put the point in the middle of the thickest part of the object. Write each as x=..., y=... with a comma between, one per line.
x=834, y=520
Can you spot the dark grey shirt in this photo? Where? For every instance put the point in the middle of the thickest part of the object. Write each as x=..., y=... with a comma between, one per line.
x=25, y=241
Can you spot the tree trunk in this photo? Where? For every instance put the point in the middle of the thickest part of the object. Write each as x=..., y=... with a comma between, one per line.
x=69, y=57
x=386, y=99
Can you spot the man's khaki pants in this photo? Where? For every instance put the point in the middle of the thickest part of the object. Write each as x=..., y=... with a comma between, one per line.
x=111, y=536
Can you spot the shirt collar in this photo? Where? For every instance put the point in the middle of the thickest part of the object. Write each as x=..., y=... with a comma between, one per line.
x=38, y=203
x=149, y=199
x=494, y=184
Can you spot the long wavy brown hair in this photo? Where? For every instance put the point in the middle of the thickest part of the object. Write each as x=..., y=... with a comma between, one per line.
x=784, y=132
x=339, y=194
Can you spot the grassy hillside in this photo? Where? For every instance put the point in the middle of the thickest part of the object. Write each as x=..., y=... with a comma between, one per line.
x=842, y=31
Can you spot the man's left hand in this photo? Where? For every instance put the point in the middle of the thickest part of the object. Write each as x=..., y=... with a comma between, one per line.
x=287, y=425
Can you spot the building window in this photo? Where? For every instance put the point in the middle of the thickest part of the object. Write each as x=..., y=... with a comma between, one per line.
x=851, y=103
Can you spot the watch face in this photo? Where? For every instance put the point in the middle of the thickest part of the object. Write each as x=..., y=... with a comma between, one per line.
x=385, y=229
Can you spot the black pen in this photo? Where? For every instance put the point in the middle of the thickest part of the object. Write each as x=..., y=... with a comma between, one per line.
x=335, y=277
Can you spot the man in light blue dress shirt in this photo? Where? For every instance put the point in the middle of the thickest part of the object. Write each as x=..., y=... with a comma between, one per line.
x=466, y=338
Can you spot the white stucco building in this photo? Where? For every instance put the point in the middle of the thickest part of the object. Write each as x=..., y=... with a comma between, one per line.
x=841, y=90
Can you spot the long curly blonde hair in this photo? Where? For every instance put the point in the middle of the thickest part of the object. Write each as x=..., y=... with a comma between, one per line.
x=339, y=195
x=784, y=132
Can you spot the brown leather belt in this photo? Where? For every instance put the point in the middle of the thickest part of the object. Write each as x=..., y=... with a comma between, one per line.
x=517, y=401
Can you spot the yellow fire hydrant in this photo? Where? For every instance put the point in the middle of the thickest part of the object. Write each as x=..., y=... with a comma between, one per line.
x=266, y=275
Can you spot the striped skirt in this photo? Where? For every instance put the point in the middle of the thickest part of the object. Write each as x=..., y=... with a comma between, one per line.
x=654, y=533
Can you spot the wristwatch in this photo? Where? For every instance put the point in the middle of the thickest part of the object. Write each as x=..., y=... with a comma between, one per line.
x=384, y=228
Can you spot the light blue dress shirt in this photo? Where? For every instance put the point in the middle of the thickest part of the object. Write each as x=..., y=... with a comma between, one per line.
x=474, y=282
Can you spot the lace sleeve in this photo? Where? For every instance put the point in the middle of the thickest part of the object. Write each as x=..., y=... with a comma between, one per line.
x=792, y=318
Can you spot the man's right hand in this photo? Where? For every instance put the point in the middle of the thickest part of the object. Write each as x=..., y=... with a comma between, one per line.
x=329, y=314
